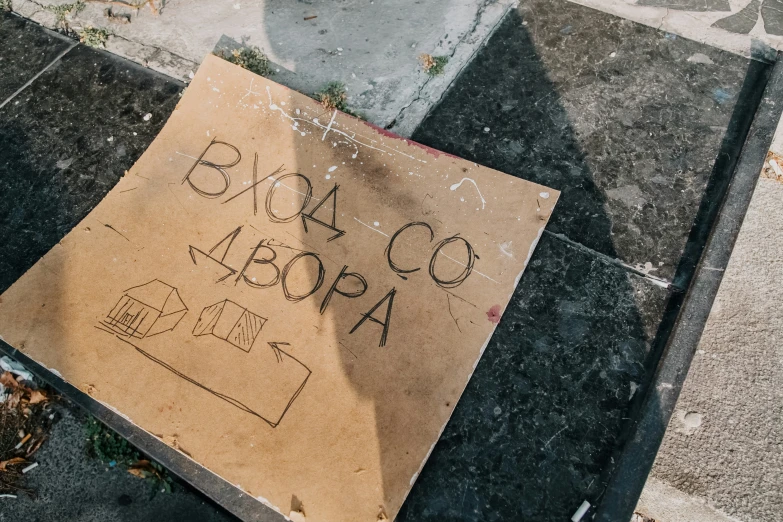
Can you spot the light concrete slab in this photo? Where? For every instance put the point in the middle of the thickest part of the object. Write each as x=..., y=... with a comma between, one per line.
x=746, y=27
x=723, y=449
x=373, y=47
x=663, y=503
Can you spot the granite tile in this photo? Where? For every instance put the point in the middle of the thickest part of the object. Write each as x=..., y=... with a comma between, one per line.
x=25, y=49
x=67, y=139
x=549, y=399
x=625, y=120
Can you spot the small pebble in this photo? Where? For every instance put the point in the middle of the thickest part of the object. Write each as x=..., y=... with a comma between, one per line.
x=486, y=129
x=147, y=116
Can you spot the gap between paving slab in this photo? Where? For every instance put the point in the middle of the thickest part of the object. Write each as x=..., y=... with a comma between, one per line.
x=373, y=48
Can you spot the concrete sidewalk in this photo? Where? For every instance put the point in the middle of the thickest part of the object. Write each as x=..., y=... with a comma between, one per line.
x=371, y=47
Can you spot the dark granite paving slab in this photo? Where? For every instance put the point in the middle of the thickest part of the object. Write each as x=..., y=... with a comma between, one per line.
x=25, y=49
x=66, y=143
x=625, y=120
x=544, y=409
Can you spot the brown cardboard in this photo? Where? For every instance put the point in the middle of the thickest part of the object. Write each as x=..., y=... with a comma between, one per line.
x=183, y=301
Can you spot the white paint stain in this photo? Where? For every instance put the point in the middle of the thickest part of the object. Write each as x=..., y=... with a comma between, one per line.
x=332, y=168
x=353, y=137
x=328, y=127
x=544, y=195
x=645, y=268
x=505, y=248
x=458, y=185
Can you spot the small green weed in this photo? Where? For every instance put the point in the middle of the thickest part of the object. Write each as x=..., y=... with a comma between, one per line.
x=108, y=447
x=333, y=96
x=433, y=65
x=111, y=449
x=64, y=10
x=5, y=5
x=93, y=37
x=251, y=58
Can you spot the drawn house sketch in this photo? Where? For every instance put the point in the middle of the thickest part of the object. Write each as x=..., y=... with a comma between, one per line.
x=228, y=321
x=146, y=310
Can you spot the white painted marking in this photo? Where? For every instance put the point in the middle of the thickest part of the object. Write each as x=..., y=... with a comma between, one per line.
x=463, y=264
x=352, y=138
x=505, y=248
x=457, y=185
x=328, y=127
x=373, y=229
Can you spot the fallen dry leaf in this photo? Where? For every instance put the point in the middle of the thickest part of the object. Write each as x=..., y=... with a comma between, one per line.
x=7, y=380
x=16, y=460
x=138, y=472
x=34, y=446
x=143, y=468
x=13, y=400
x=37, y=396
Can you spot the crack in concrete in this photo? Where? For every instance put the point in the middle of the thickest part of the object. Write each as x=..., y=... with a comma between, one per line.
x=663, y=19
x=157, y=49
x=469, y=33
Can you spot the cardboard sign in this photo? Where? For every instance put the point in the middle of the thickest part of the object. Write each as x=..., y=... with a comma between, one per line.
x=290, y=296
